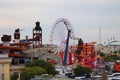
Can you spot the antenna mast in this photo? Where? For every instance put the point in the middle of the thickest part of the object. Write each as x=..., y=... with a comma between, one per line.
x=100, y=35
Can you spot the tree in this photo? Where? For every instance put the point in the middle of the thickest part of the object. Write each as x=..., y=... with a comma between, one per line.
x=43, y=64
x=80, y=70
x=29, y=72
x=13, y=77
x=110, y=58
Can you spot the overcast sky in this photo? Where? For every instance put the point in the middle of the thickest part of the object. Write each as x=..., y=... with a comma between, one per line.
x=86, y=16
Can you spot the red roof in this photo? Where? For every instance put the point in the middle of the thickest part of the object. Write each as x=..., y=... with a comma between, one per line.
x=52, y=61
x=15, y=55
x=11, y=48
x=21, y=43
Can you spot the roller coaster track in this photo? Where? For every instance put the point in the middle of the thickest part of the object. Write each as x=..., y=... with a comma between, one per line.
x=108, y=44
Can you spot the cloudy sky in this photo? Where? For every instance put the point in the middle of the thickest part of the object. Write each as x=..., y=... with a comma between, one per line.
x=86, y=16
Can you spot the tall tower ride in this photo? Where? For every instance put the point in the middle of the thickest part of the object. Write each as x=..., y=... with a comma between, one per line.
x=37, y=35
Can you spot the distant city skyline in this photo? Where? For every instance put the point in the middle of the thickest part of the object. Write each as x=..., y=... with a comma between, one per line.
x=86, y=16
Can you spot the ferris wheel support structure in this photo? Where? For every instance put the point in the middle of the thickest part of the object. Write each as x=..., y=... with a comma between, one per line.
x=66, y=49
x=70, y=34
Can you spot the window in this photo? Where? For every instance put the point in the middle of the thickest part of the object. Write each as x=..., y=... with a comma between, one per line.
x=3, y=65
x=2, y=76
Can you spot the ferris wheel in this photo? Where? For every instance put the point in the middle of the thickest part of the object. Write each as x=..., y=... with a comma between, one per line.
x=59, y=33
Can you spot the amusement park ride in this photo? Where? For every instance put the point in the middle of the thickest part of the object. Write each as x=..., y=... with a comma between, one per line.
x=82, y=54
x=37, y=35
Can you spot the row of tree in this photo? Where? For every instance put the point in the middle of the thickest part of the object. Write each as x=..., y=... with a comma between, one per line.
x=82, y=71
x=38, y=67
